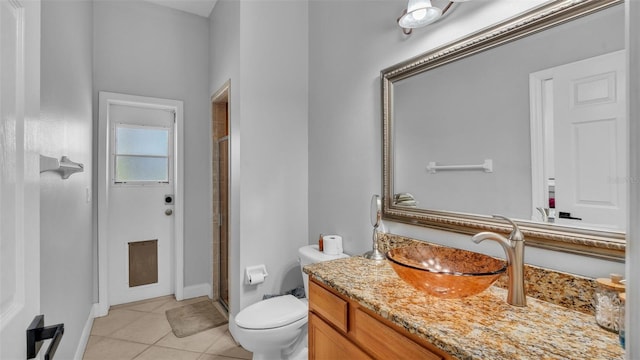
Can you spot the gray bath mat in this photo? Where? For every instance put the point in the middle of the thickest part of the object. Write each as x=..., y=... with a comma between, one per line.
x=193, y=318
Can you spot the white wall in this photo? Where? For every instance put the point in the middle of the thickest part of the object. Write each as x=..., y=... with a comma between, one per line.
x=268, y=138
x=67, y=243
x=145, y=49
x=274, y=161
x=345, y=121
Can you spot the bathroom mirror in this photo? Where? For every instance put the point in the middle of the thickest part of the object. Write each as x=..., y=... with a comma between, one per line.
x=469, y=130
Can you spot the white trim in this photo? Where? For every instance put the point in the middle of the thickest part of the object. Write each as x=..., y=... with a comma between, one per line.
x=193, y=291
x=100, y=310
x=105, y=99
x=537, y=110
x=86, y=332
x=179, y=201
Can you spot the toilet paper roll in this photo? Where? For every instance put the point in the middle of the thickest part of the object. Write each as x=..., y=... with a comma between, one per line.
x=254, y=275
x=256, y=278
x=332, y=244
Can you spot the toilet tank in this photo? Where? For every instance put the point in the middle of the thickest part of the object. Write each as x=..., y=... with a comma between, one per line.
x=310, y=254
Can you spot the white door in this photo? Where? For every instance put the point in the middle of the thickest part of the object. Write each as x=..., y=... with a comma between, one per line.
x=590, y=146
x=19, y=174
x=141, y=202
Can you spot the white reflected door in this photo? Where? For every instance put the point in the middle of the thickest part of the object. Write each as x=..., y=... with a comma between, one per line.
x=141, y=202
x=19, y=174
x=590, y=142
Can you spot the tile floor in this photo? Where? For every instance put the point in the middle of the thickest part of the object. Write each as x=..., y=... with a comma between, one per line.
x=141, y=331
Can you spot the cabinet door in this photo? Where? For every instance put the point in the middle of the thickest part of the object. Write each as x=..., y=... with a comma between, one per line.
x=327, y=343
x=329, y=306
x=384, y=342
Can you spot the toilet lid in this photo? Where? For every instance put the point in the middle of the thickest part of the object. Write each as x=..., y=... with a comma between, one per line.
x=272, y=313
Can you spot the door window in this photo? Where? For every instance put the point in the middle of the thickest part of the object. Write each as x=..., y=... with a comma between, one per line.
x=142, y=154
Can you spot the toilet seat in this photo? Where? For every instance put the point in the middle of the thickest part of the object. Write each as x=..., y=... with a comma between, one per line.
x=272, y=313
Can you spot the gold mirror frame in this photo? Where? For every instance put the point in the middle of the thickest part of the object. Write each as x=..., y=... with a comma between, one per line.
x=602, y=244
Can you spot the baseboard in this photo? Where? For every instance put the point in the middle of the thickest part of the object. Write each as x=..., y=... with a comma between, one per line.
x=86, y=332
x=197, y=290
x=100, y=309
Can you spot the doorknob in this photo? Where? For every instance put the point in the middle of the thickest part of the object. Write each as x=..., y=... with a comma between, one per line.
x=168, y=212
x=37, y=333
x=566, y=215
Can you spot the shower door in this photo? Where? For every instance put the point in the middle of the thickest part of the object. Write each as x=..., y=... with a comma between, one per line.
x=220, y=189
x=223, y=152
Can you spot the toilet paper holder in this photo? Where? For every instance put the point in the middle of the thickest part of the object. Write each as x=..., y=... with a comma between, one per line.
x=254, y=275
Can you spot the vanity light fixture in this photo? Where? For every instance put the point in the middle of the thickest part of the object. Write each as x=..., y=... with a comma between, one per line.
x=421, y=13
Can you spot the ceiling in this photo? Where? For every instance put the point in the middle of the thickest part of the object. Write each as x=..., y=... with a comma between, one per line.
x=198, y=7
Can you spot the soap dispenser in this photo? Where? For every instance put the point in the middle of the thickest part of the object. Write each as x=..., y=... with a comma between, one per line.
x=607, y=301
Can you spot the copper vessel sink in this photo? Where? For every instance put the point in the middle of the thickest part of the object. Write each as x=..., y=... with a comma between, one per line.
x=445, y=272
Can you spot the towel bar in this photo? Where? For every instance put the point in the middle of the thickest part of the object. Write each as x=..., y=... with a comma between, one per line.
x=64, y=166
x=487, y=166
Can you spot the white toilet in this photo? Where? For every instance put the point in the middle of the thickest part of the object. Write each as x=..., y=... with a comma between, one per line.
x=276, y=328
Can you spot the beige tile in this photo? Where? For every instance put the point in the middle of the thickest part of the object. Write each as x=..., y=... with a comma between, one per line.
x=238, y=353
x=222, y=310
x=197, y=342
x=162, y=353
x=197, y=299
x=116, y=319
x=215, y=357
x=173, y=303
x=225, y=329
x=226, y=346
x=102, y=348
x=221, y=345
x=135, y=303
x=146, y=305
x=148, y=329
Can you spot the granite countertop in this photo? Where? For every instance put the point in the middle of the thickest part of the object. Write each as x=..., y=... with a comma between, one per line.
x=482, y=326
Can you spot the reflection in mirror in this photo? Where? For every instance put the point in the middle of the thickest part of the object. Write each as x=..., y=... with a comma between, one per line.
x=376, y=211
x=405, y=199
x=534, y=129
x=579, y=109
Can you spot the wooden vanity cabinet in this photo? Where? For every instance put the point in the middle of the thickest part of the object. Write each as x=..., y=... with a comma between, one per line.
x=327, y=343
x=339, y=328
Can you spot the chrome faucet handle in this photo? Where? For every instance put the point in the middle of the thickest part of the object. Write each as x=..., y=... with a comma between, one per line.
x=544, y=212
x=516, y=234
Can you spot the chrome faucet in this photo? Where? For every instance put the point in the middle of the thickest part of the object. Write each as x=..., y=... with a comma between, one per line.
x=514, y=248
x=548, y=215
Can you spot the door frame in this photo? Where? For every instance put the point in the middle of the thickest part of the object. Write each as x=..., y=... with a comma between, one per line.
x=222, y=95
x=105, y=100
x=538, y=93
